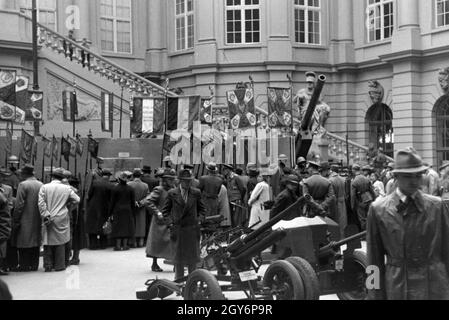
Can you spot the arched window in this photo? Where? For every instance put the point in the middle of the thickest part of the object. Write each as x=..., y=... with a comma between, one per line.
x=379, y=119
x=441, y=116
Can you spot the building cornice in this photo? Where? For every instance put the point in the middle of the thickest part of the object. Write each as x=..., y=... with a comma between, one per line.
x=16, y=46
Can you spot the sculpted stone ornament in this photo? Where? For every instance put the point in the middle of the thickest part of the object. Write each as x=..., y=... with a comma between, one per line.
x=443, y=79
x=376, y=91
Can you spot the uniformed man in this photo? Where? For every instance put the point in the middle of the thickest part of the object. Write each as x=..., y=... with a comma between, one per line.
x=362, y=195
x=277, y=180
x=287, y=198
x=210, y=186
x=319, y=188
x=236, y=194
x=301, y=168
x=338, y=184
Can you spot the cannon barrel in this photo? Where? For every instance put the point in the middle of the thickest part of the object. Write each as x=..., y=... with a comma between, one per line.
x=307, y=120
x=239, y=243
x=324, y=251
x=252, y=250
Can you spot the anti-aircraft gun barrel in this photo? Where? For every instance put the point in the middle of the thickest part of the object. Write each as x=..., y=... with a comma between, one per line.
x=307, y=120
x=326, y=250
x=238, y=246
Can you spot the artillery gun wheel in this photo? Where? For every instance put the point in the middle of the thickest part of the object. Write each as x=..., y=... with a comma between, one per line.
x=284, y=281
x=356, y=264
x=308, y=276
x=202, y=285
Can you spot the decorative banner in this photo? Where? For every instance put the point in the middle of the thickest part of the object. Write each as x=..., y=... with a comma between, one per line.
x=206, y=112
x=35, y=106
x=26, y=147
x=107, y=112
x=79, y=145
x=55, y=148
x=11, y=113
x=22, y=92
x=47, y=146
x=34, y=153
x=280, y=109
x=182, y=112
x=92, y=147
x=73, y=143
x=148, y=116
x=69, y=106
x=8, y=146
x=220, y=118
x=8, y=86
x=65, y=149
x=241, y=109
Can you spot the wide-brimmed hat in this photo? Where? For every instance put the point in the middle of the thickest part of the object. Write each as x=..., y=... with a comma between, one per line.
x=301, y=160
x=13, y=160
x=228, y=166
x=283, y=158
x=146, y=169
x=325, y=166
x=137, y=172
x=28, y=170
x=211, y=167
x=169, y=174
x=159, y=173
x=4, y=172
x=123, y=176
x=185, y=175
x=310, y=76
x=444, y=165
x=188, y=166
x=67, y=174
x=59, y=173
x=253, y=172
x=409, y=161
x=367, y=168
x=356, y=167
x=292, y=179
x=314, y=164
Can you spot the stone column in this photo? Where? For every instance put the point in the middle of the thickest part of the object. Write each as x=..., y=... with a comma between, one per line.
x=279, y=43
x=156, y=35
x=343, y=41
x=407, y=36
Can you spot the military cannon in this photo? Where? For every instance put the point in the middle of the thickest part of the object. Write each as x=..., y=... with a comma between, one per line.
x=307, y=263
x=304, y=137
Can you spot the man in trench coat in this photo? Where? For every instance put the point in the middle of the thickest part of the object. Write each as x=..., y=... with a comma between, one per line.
x=184, y=210
x=411, y=230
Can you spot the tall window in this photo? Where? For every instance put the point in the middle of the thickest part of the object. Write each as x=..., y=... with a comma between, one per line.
x=442, y=11
x=46, y=11
x=184, y=24
x=379, y=119
x=242, y=21
x=115, y=25
x=308, y=21
x=380, y=19
x=441, y=117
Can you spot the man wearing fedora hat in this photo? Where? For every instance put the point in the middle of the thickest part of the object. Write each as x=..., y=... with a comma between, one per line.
x=408, y=236
x=27, y=220
x=184, y=210
x=210, y=186
x=158, y=241
x=53, y=200
x=141, y=191
x=148, y=178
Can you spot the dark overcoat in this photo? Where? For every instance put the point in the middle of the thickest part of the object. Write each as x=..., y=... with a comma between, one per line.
x=98, y=199
x=320, y=189
x=184, y=219
x=26, y=216
x=360, y=186
x=340, y=215
x=141, y=191
x=284, y=200
x=409, y=245
x=158, y=242
x=122, y=207
x=5, y=219
x=210, y=187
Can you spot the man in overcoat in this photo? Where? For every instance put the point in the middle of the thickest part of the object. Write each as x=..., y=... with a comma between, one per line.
x=141, y=191
x=362, y=195
x=338, y=184
x=407, y=238
x=5, y=231
x=319, y=188
x=27, y=221
x=210, y=187
x=184, y=210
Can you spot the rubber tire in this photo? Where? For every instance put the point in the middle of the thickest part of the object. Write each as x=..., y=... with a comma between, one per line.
x=212, y=283
x=361, y=258
x=292, y=273
x=308, y=276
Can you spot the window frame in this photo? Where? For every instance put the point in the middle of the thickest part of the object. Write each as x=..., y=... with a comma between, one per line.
x=47, y=10
x=115, y=21
x=307, y=8
x=185, y=15
x=242, y=8
x=444, y=25
x=380, y=4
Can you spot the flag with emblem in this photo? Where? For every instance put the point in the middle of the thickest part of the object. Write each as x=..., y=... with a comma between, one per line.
x=26, y=147
x=79, y=145
x=72, y=142
x=148, y=116
x=92, y=147
x=47, y=143
x=65, y=149
x=107, y=112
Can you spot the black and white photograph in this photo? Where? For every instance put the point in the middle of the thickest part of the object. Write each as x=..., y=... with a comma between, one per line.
x=327, y=177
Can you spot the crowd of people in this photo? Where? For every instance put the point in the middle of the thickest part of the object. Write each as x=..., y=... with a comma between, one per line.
x=164, y=209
